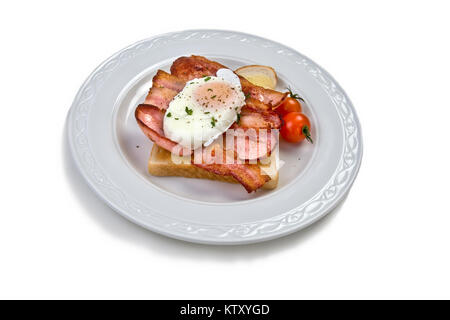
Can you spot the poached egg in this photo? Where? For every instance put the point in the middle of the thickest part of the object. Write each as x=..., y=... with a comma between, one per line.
x=204, y=109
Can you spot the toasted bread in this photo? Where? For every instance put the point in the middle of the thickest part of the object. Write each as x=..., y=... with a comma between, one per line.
x=161, y=164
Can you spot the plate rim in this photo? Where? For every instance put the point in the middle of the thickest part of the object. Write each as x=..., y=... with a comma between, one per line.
x=240, y=233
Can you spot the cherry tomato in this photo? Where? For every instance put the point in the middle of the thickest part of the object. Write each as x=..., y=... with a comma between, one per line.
x=296, y=127
x=289, y=104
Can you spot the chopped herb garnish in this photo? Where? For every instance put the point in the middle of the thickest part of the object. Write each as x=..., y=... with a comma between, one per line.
x=169, y=115
x=209, y=89
x=207, y=79
x=212, y=97
x=207, y=112
x=213, y=122
x=247, y=95
x=177, y=118
x=238, y=118
x=188, y=111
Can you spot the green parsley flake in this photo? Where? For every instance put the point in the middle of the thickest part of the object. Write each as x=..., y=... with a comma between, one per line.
x=169, y=115
x=188, y=111
x=207, y=79
x=213, y=122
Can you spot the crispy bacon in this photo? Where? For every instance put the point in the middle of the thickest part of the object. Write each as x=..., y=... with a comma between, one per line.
x=150, y=116
x=267, y=96
x=253, y=144
x=249, y=175
x=160, y=97
x=243, y=146
x=218, y=160
x=150, y=120
x=263, y=120
x=257, y=105
x=165, y=87
x=258, y=116
x=166, y=80
x=188, y=68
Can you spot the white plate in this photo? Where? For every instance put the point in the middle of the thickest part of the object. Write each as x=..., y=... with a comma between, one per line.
x=104, y=136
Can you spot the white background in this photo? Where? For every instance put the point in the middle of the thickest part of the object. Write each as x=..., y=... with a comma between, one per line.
x=389, y=239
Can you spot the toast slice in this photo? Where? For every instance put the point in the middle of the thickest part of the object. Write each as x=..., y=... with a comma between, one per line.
x=160, y=164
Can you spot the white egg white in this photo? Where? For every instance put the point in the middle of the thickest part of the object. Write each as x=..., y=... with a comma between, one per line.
x=193, y=119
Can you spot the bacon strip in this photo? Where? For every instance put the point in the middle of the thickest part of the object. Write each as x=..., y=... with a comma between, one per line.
x=165, y=87
x=150, y=116
x=257, y=105
x=252, y=144
x=160, y=97
x=267, y=96
x=150, y=120
x=255, y=115
x=258, y=115
x=188, y=68
x=258, y=120
x=166, y=80
x=218, y=159
x=249, y=175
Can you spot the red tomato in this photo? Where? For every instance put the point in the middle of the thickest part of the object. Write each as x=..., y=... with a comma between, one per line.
x=296, y=127
x=288, y=105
